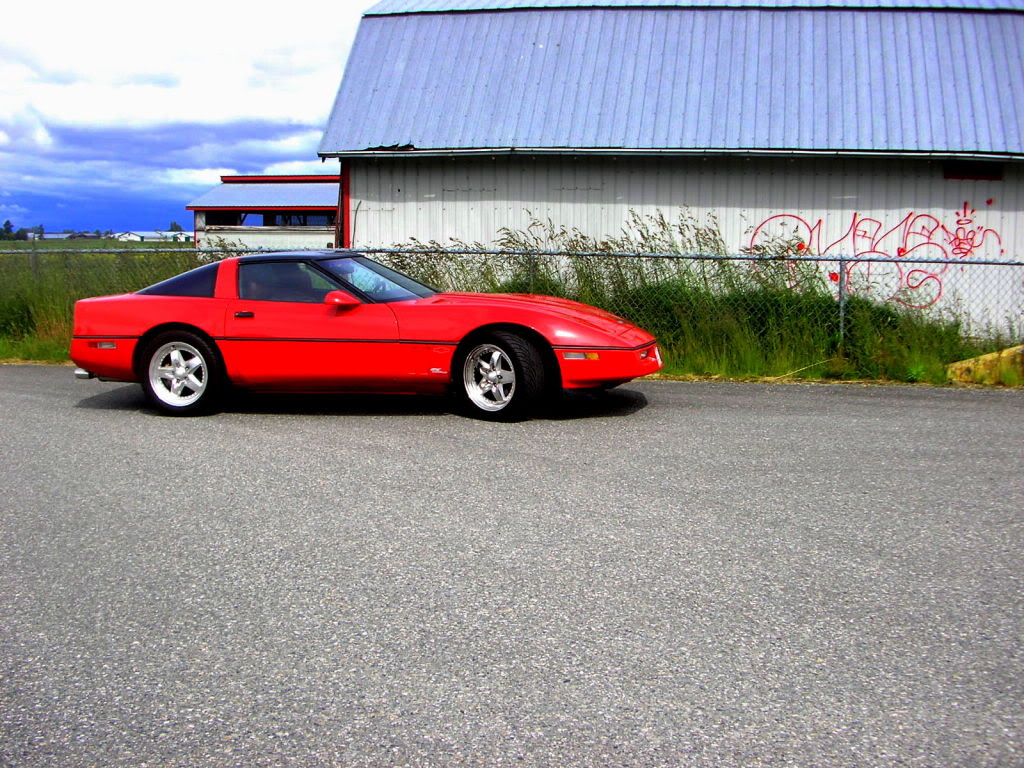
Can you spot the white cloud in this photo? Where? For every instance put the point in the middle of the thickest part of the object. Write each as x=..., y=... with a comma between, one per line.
x=192, y=177
x=24, y=130
x=12, y=212
x=41, y=136
x=126, y=102
x=304, y=143
x=302, y=168
x=134, y=63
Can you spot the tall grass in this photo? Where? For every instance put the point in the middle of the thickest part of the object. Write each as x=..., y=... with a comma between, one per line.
x=766, y=317
x=763, y=317
x=39, y=288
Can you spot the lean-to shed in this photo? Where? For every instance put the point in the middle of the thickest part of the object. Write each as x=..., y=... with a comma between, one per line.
x=268, y=212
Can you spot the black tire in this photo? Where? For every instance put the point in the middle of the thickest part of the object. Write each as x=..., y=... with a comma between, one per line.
x=499, y=377
x=181, y=373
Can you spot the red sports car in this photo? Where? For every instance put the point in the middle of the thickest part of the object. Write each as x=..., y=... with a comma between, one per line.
x=333, y=321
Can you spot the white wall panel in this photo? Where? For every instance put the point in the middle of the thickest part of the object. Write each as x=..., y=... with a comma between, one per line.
x=470, y=199
x=281, y=238
x=836, y=207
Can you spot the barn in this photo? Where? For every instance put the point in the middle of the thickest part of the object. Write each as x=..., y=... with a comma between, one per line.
x=852, y=126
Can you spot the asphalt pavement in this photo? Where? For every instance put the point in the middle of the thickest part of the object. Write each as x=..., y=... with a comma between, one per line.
x=672, y=574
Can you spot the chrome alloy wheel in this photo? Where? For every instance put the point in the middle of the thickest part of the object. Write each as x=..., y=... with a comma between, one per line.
x=178, y=374
x=489, y=378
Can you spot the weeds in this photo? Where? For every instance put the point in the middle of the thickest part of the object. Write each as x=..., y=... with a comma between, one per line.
x=39, y=290
x=769, y=316
x=766, y=316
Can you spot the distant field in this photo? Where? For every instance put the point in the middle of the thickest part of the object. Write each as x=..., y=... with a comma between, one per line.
x=88, y=245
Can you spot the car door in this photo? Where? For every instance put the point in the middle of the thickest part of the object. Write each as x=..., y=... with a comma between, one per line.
x=280, y=334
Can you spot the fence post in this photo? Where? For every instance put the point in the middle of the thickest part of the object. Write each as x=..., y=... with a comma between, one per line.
x=842, y=301
x=34, y=261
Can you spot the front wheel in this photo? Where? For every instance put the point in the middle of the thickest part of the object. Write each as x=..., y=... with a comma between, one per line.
x=181, y=374
x=502, y=377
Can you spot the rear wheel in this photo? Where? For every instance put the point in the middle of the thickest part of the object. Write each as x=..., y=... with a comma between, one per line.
x=181, y=374
x=501, y=377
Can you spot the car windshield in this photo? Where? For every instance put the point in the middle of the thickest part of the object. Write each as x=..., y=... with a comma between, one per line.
x=375, y=280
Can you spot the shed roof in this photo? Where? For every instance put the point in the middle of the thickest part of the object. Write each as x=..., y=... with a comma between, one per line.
x=390, y=7
x=269, y=193
x=773, y=76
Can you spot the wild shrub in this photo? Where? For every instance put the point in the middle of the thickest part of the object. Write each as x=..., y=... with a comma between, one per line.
x=40, y=288
x=766, y=316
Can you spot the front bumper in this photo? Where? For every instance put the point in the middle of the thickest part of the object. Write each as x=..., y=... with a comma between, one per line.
x=585, y=368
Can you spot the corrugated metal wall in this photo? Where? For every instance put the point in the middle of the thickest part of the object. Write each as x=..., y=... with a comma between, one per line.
x=861, y=204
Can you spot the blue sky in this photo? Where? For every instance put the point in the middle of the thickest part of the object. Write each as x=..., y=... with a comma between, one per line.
x=115, y=115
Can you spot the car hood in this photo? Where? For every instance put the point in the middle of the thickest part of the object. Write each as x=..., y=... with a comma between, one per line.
x=565, y=309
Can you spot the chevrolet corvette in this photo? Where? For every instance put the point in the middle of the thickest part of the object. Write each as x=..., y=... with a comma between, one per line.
x=340, y=322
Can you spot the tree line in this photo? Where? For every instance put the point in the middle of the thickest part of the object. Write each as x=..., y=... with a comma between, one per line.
x=8, y=232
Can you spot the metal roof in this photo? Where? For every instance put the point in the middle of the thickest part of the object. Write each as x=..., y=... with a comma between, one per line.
x=268, y=196
x=683, y=79
x=389, y=7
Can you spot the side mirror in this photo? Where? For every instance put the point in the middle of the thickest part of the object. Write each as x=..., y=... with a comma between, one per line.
x=341, y=300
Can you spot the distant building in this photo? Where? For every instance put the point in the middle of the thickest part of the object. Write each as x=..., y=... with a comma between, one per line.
x=269, y=212
x=154, y=236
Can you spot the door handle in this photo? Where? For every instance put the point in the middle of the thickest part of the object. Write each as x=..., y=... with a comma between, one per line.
x=245, y=314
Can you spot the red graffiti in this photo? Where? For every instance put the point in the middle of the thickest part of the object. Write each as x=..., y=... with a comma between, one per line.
x=916, y=236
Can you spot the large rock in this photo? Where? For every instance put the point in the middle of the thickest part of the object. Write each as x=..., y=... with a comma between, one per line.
x=1004, y=367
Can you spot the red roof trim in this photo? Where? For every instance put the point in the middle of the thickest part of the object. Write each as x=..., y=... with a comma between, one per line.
x=258, y=208
x=312, y=178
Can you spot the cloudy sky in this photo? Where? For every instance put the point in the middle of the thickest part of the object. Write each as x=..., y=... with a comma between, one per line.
x=115, y=115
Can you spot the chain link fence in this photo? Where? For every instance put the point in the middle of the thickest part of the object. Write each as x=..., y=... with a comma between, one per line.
x=742, y=315
x=738, y=315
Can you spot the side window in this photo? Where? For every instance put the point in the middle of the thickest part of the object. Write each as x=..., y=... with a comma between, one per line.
x=197, y=282
x=376, y=281
x=282, y=281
